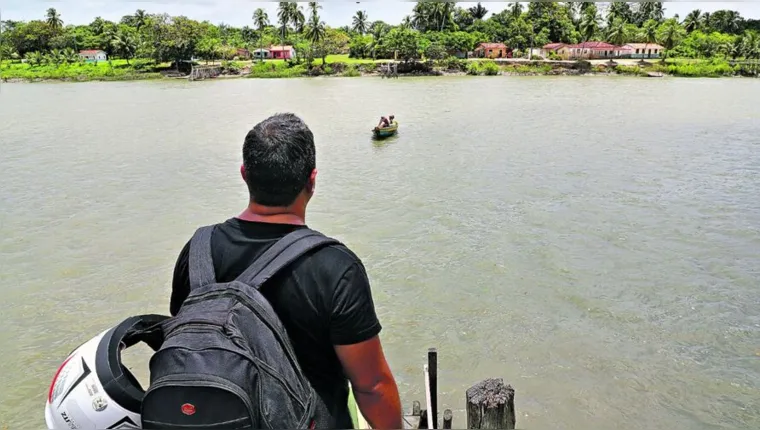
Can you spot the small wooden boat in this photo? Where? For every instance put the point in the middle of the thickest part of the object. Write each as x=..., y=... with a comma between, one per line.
x=386, y=131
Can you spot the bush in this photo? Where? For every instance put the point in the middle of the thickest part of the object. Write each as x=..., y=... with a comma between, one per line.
x=490, y=68
x=630, y=70
x=369, y=67
x=231, y=67
x=453, y=63
x=351, y=72
x=473, y=68
x=277, y=69
x=485, y=67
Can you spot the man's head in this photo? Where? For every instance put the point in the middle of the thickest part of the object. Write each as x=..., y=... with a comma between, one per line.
x=279, y=162
x=392, y=116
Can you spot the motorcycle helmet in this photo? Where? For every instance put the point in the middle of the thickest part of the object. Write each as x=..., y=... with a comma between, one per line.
x=92, y=389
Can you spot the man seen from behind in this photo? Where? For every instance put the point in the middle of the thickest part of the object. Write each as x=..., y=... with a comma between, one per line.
x=324, y=299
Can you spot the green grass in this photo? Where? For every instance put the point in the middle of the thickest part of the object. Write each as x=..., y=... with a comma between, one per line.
x=102, y=71
x=344, y=58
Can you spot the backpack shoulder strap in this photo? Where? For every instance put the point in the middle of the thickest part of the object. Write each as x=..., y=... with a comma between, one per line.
x=284, y=252
x=200, y=262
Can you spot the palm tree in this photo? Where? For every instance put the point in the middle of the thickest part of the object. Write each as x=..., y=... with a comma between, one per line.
x=70, y=55
x=360, y=22
x=516, y=9
x=620, y=10
x=589, y=24
x=53, y=19
x=649, y=31
x=443, y=11
x=658, y=12
x=298, y=18
x=670, y=35
x=314, y=8
x=692, y=20
x=478, y=11
x=124, y=44
x=141, y=18
x=705, y=23
x=261, y=21
x=315, y=33
x=284, y=16
x=406, y=22
x=616, y=32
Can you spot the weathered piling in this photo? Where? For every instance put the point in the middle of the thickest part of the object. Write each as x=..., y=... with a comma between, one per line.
x=491, y=405
x=433, y=374
x=448, y=416
x=389, y=70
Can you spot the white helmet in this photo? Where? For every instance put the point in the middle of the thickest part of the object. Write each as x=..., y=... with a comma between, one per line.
x=92, y=389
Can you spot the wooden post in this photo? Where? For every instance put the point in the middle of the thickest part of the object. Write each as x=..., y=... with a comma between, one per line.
x=491, y=405
x=433, y=371
x=447, y=418
x=423, y=424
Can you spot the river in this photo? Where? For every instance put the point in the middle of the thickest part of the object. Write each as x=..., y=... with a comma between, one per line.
x=593, y=240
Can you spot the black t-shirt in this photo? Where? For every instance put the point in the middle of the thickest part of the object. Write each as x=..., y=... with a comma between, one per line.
x=323, y=299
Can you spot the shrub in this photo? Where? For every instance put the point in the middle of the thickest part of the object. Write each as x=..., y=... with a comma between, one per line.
x=351, y=72
x=490, y=68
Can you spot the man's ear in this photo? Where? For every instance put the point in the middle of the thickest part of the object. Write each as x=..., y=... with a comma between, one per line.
x=242, y=172
x=312, y=183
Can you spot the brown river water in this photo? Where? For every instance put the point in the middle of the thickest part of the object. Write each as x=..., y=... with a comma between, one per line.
x=594, y=240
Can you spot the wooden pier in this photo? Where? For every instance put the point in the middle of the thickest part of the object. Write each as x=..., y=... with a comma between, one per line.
x=204, y=72
x=490, y=404
x=389, y=70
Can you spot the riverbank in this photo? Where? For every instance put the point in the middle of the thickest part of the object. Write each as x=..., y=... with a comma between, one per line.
x=119, y=70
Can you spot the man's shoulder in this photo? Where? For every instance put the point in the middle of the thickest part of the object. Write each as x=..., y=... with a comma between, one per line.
x=337, y=257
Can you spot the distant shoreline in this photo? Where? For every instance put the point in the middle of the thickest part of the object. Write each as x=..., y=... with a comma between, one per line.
x=451, y=67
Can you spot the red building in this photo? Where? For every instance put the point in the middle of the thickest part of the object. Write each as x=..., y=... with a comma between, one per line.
x=282, y=52
x=493, y=50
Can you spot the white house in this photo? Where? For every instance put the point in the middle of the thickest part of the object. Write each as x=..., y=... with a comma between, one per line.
x=93, y=55
x=261, y=53
x=644, y=50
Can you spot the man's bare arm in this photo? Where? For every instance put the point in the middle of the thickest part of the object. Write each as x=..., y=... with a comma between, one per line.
x=373, y=384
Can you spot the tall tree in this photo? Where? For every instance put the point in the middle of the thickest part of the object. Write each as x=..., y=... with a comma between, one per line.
x=649, y=32
x=260, y=21
x=516, y=9
x=478, y=11
x=284, y=17
x=616, y=34
x=589, y=23
x=315, y=31
x=670, y=34
x=141, y=18
x=53, y=19
x=693, y=20
x=124, y=44
x=360, y=22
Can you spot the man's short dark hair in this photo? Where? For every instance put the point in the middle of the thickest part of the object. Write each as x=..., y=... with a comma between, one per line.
x=278, y=157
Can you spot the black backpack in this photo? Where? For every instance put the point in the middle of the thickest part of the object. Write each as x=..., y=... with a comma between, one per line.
x=226, y=360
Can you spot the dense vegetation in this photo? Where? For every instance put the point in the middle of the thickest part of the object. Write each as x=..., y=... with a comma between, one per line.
x=148, y=43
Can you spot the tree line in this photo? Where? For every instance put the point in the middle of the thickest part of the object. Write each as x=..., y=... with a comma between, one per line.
x=433, y=30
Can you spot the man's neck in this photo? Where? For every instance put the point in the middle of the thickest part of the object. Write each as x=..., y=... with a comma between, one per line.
x=257, y=213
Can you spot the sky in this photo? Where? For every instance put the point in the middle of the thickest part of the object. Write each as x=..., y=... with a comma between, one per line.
x=239, y=12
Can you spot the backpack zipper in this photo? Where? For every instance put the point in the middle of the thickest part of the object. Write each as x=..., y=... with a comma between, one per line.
x=259, y=312
x=209, y=381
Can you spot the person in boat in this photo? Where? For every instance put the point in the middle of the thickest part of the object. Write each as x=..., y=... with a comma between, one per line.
x=324, y=299
x=383, y=122
x=392, y=120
